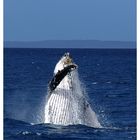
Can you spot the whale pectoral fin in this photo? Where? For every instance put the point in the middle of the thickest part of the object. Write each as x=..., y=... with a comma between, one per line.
x=60, y=75
x=52, y=84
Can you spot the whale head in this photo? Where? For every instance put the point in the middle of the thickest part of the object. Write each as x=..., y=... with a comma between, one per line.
x=65, y=61
x=63, y=68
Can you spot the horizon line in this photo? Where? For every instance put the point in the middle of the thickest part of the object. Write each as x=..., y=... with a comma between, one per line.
x=69, y=44
x=61, y=48
x=68, y=40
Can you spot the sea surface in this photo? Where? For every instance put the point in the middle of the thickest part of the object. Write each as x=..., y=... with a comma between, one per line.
x=109, y=77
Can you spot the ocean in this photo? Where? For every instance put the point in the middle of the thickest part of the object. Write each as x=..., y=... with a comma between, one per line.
x=108, y=76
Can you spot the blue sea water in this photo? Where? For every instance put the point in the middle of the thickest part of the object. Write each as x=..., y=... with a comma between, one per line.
x=109, y=76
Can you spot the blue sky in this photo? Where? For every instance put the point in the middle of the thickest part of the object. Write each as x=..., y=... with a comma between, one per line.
x=35, y=20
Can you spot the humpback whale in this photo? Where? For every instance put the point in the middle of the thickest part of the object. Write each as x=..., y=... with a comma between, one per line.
x=66, y=103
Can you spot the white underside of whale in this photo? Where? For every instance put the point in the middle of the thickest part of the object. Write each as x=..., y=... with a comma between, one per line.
x=67, y=105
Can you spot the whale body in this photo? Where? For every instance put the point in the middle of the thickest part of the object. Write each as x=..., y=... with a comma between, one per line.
x=66, y=103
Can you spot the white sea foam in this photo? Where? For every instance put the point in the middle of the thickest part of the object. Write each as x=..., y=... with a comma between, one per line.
x=108, y=82
x=94, y=83
x=26, y=132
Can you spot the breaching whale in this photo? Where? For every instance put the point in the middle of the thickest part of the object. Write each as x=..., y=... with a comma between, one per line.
x=66, y=103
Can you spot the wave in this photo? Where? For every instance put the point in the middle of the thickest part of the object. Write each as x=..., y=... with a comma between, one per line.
x=19, y=130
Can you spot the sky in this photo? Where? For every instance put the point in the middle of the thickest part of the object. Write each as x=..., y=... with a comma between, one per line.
x=36, y=20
